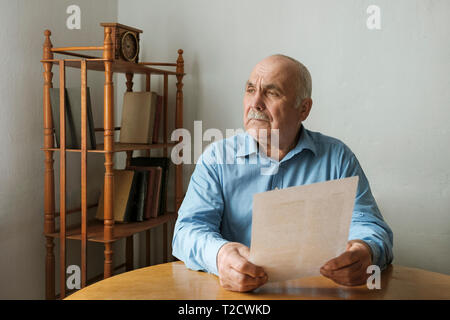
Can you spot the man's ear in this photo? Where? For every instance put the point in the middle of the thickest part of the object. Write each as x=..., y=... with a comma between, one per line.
x=305, y=108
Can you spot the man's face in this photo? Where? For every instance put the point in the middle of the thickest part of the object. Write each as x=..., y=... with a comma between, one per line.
x=270, y=99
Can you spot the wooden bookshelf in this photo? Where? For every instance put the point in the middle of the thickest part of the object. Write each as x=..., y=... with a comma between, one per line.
x=106, y=231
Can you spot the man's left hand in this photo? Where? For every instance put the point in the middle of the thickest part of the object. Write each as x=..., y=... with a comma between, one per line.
x=349, y=268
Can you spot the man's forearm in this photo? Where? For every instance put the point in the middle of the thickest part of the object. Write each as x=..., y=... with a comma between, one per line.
x=377, y=238
x=197, y=247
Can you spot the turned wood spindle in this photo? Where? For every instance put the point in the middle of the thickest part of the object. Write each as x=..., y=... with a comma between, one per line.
x=49, y=178
x=179, y=124
x=108, y=110
x=129, y=82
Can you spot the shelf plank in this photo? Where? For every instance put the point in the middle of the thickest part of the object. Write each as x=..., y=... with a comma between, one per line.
x=120, y=147
x=118, y=66
x=121, y=230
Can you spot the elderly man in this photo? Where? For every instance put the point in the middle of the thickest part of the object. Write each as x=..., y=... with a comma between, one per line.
x=213, y=229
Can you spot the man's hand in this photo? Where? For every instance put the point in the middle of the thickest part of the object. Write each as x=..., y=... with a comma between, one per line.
x=236, y=273
x=349, y=268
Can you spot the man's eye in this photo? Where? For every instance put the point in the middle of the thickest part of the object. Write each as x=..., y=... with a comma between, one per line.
x=250, y=90
x=272, y=93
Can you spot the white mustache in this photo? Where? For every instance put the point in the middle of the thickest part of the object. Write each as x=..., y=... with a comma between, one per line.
x=254, y=114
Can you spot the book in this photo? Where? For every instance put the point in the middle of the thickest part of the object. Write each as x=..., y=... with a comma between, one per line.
x=71, y=142
x=131, y=210
x=155, y=206
x=142, y=195
x=74, y=96
x=138, y=117
x=123, y=181
x=73, y=118
x=149, y=191
x=156, y=162
x=158, y=119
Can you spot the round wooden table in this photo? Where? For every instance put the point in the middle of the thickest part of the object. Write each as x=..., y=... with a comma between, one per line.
x=173, y=281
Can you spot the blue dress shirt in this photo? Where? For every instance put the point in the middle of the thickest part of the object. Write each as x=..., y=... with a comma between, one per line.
x=217, y=207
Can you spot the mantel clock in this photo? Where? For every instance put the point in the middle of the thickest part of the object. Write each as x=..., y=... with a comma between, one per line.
x=125, y=42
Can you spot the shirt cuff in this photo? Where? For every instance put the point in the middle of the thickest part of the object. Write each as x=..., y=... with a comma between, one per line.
x=211, y=255
x=375, y=252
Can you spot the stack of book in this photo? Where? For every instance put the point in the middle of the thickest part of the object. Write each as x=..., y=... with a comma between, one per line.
x=139, y=190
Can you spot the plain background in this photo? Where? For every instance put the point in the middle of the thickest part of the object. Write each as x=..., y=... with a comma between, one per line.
x=382, y=92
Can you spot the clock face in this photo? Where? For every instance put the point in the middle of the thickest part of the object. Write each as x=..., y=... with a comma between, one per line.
x=130, y=46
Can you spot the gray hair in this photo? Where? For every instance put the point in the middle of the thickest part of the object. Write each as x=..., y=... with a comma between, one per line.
x=304, y=82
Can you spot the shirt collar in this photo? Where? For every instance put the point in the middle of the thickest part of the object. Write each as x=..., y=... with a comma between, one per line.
x=246, y=146
x=304, y=142
x=249, y=145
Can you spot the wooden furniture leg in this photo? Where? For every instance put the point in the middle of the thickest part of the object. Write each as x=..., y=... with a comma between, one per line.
x=62, y=182
x=49, y=177
x=109, y=148
x=83, y=174
x=129, y=247
x=179, y=124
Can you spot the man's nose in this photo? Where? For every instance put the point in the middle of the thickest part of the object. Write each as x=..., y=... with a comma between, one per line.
x=258, y=101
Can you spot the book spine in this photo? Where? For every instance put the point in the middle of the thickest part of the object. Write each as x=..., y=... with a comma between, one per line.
x=131, y=209
x=156, y=209
x=150, y=191
x=142, y=196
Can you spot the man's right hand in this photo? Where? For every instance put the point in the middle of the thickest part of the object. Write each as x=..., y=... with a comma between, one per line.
x=236, y=273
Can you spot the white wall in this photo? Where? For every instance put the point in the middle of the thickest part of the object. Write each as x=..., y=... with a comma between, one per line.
x=22, y=244
x=383, y=92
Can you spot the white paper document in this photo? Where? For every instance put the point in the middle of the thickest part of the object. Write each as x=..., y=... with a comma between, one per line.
x=297, y=229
